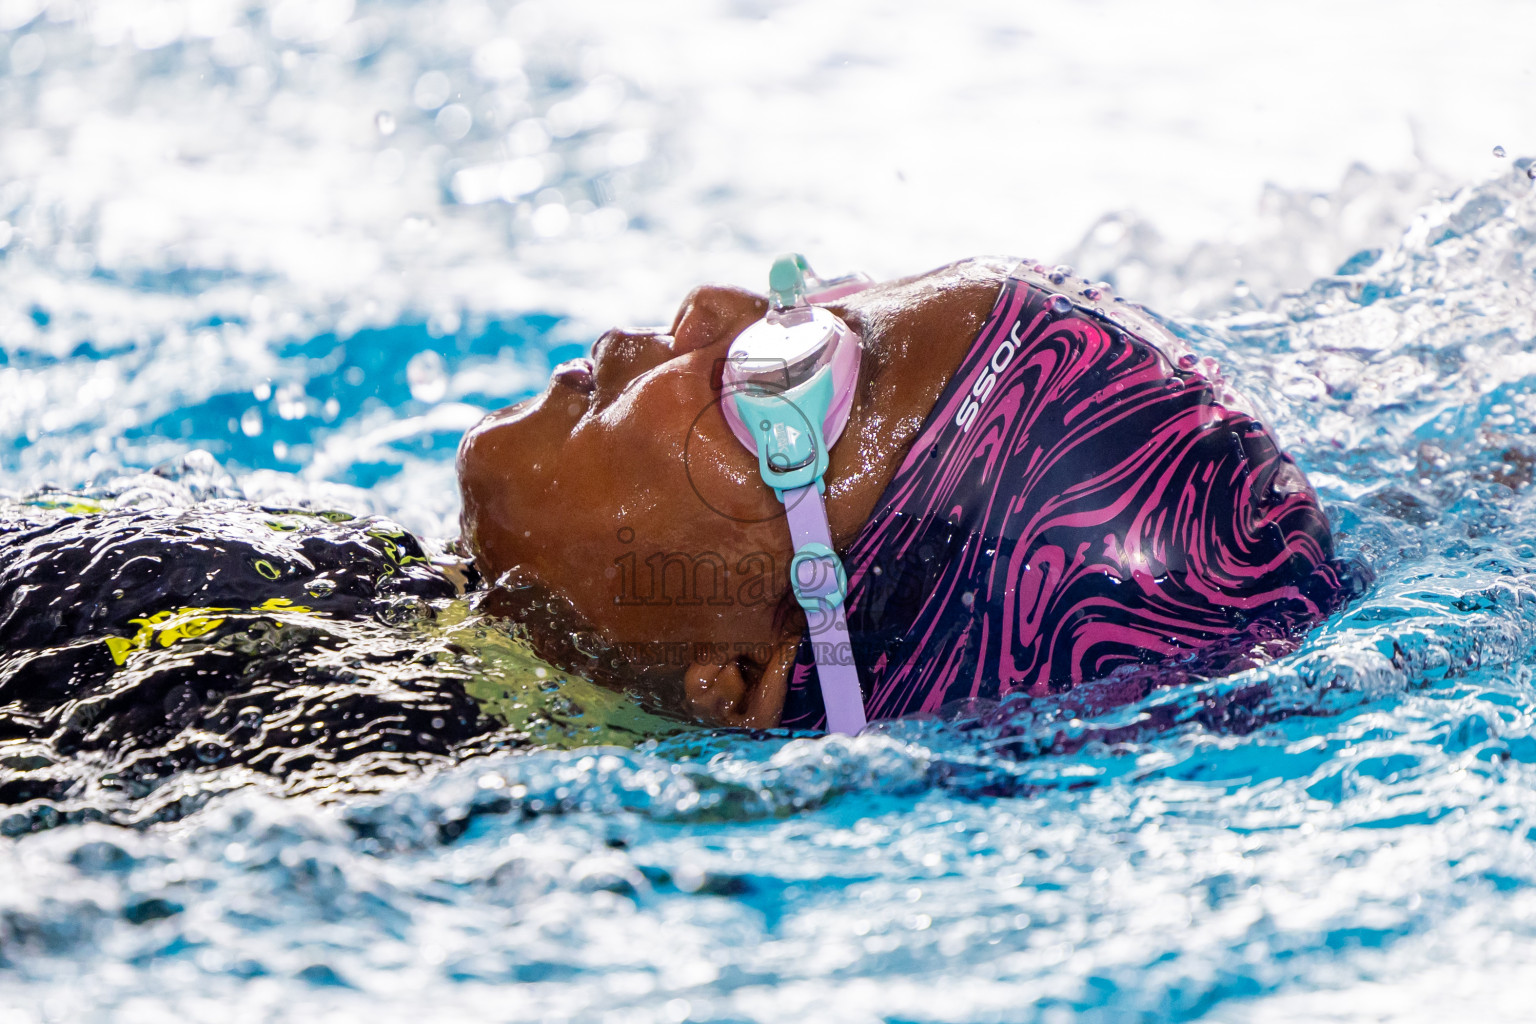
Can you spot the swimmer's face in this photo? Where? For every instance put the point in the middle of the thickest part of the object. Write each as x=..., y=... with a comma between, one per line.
x=621, y=493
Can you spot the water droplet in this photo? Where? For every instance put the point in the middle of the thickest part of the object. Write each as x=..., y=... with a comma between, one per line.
x=1498, y=151
x=587, y=644
x=250, y=422
x=432, y=90
x=550, y=220
x=438, y=723
x=1060, y=305
x=321, y=588
x=1530, y=172
x=27, y=54
x=384, y=121
x=427, y=376
x=454, y=121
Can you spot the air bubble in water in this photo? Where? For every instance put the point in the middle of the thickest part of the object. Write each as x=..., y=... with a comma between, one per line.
x=1498, y=151
x=1060, y=304
x=384, y=121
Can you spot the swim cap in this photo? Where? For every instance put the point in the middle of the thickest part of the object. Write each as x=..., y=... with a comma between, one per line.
x=1078, y=500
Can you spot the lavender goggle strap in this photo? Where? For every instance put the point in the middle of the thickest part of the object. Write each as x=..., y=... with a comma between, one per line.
x=826, y=622
x=1075, y=503
x=816, y=575
x=792, y=458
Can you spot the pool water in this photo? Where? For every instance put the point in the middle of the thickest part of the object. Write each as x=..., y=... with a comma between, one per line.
x=287, y=253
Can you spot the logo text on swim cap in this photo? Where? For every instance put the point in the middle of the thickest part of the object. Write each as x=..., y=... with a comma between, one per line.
x=986, y=380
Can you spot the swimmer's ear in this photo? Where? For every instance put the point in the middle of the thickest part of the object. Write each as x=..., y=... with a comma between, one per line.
x=740, y=693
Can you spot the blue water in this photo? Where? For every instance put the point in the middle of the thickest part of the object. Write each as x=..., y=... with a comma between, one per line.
x=1347, y=833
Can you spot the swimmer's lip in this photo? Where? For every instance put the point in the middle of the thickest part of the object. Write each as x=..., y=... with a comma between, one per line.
x=575, y=374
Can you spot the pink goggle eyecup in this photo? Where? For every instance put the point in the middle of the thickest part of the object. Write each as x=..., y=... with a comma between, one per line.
x=764, y=372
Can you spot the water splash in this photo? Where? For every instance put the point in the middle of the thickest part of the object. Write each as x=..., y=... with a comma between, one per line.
x=1336, y=832
x=1351, y=815
x=167, y=629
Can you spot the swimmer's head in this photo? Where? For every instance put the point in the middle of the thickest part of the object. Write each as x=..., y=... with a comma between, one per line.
x=632, y=532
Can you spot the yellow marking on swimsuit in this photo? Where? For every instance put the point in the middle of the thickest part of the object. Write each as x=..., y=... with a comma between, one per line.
x=281, y=604
x=167, y=627
x=74, y=506
x=391, y=549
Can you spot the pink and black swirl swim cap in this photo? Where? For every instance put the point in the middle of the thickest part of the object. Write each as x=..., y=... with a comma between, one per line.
x=1078, y=500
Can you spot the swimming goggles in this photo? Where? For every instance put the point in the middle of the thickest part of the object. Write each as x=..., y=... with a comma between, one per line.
x=787, y=390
